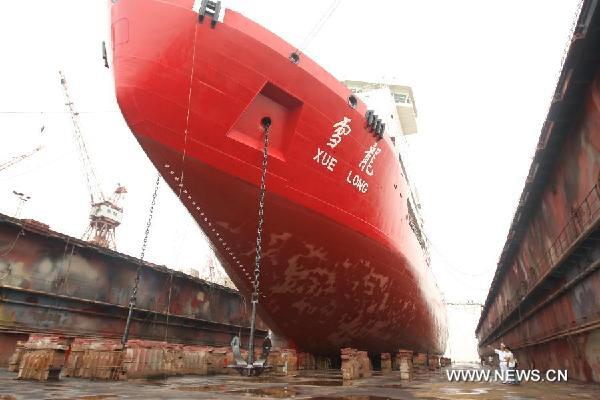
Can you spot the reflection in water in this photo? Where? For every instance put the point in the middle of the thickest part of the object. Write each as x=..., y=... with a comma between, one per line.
x=312, y=385
x=324, y=383
x=351, y=397
x=278, y=392
x=203, y=388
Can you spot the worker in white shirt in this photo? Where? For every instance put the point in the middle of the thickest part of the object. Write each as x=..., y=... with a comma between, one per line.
x=503, y=356
x=511, y=362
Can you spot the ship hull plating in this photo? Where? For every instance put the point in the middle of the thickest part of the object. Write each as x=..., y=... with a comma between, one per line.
x=341, y=265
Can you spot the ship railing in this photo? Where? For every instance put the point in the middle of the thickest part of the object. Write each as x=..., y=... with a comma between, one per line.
x=583, y=220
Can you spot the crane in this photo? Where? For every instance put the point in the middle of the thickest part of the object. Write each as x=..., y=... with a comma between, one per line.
x=19, y=158
x=106, y=213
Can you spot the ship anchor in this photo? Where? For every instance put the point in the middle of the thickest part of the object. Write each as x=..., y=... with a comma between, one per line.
x=251, y=367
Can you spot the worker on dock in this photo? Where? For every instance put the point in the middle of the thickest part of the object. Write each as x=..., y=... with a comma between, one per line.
x=511, y=362
x=503, y=361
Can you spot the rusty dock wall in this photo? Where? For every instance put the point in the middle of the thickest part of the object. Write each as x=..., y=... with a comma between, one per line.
x=54, y=284
x=544, y=300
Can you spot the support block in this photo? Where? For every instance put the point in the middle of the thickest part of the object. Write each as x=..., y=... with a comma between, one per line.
x=355, y=364
x=386, y=363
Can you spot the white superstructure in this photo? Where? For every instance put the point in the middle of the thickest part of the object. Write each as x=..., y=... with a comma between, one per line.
x=395, y=106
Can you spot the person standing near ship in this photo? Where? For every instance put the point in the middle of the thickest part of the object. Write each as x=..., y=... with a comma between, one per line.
x=503, y=361
x=511, y=362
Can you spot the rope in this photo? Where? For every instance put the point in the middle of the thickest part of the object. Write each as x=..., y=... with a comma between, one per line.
x=68, y=269
x=7, y=273
x=153, y=309
x=133, y=299
x=243, y=315
x=183, y=156
x=13, y=244
x=169, y=306
x=452, y=267
x=187, y=115
x=318, y=26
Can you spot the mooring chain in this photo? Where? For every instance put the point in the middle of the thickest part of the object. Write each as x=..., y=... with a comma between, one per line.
x=133, y=299
x=261, y=210
x=266, y=123
x=138, y=272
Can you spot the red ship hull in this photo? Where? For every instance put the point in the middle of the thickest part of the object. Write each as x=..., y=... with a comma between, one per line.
x=341, y=265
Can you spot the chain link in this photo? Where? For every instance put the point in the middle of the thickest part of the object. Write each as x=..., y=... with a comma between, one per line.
x=138, y=272
x=133, y=299
x=266, y=123
x=261, y=213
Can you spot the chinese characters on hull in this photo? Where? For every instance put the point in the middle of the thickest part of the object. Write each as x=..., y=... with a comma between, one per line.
x=342, y=129
x=366, y=165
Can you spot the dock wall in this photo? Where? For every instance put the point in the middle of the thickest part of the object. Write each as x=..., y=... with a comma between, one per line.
x=54, y=284
x=544, y=301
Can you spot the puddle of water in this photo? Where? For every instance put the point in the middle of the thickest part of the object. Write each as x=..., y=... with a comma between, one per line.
x=280, y=392
x=95, y=397
x=324, y=383
x=457, y=391
x=353, y=397
x=144, y=382
x=203, y=388
x=272, y=379
x=322, y=376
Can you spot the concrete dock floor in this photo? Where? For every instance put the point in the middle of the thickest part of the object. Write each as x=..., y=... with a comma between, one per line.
x=314, y=385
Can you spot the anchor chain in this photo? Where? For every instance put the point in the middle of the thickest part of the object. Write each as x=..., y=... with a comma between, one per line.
x=266, y=123
x=133, y=298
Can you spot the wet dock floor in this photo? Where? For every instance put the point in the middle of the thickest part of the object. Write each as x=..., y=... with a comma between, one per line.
x=314, y=385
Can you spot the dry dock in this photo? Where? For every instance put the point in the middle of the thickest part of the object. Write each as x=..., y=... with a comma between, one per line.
x=64, y=302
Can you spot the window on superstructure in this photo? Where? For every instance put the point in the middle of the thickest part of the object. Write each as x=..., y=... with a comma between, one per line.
x=400, y=98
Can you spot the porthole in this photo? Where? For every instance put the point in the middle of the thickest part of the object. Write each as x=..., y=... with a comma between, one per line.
x=352, y=101
x=295, y=58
